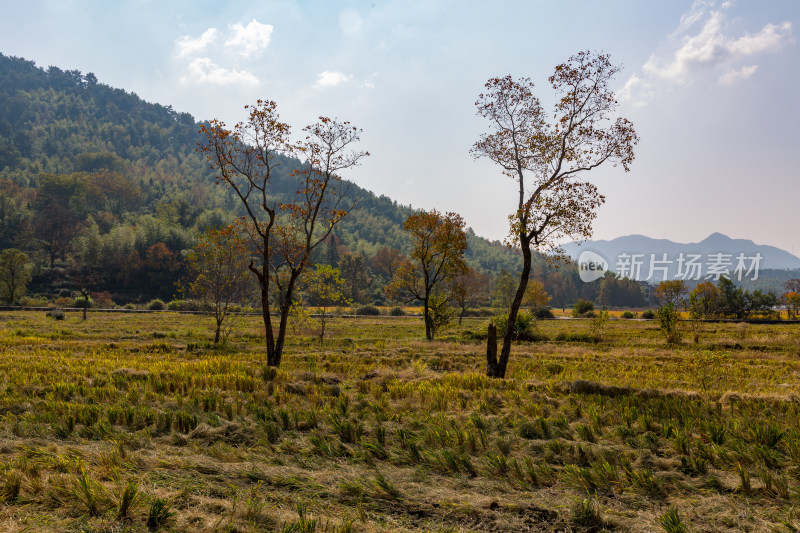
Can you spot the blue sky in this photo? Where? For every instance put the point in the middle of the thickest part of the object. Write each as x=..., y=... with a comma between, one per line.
x=710, y=86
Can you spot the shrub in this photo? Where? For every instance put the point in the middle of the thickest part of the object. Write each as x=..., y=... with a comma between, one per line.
x=177, y=305
x=64, y=301
x=79, y=302
x=368, y=310
x=544, y=313
x=598, y=324
x=129, y=306
x=582, y=308
x=33, y=301
x=397, y=311
x=628, y=314
x=669, y=318
x=103, y=299
x=156, y=305
x=524, y=328
x=440, y=313
x=479, y=312
x=185, y=305
x=56, y=314
x=649, y=314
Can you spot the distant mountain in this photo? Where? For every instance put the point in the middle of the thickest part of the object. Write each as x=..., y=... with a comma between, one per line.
x=717, y=254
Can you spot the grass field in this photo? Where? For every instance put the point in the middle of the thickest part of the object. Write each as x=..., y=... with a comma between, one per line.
x=136, y=423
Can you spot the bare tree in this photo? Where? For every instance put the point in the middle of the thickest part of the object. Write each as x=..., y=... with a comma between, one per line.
x=285, y=233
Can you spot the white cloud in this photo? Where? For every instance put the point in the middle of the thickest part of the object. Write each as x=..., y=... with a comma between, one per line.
x=691, y=17
x=770, y=39
x=636, y=92
x=188, y=46
x=732, y=76
x=690, y=53
x=250, y=39
x=203, y=70
x=331, y=79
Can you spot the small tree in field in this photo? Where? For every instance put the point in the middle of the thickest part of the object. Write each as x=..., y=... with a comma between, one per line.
x=792, y=300
x=437, y=259
x=705, y=300
x=384, y=261
x=325, y=289
x=217, y=273
x=536, y=296
x=84, y=276
x=505, y=288
x=548, y=161
x=792, y=297
x=672, y=292
x=15, y=273
x=469, y=289
x=284, y=234
x=669, y=319
x=353, y=269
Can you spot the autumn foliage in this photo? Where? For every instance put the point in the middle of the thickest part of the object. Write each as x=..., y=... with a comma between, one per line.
x=436, y=260
x=283, y=234
x=549, y=160
x=217, y=272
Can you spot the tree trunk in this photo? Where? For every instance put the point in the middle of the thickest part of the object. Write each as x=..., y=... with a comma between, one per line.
x=322, y=327
x=85, y=294
x=285, y=308
x=268, y=326
x=508, y=335
x=427, y=315
x=491, y=353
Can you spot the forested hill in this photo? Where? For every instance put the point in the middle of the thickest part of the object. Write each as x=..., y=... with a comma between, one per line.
x=85, y=167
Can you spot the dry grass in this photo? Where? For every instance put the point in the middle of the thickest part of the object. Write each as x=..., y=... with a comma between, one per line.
x=135, y=423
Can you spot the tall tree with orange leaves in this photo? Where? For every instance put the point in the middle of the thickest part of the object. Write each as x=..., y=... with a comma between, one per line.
x=549, y=159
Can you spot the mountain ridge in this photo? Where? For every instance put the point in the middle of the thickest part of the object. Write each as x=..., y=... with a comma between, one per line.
x=619, y=249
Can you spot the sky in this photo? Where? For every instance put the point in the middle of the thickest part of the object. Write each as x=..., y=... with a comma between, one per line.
x=710, y=86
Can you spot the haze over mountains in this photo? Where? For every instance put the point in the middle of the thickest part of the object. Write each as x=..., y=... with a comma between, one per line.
x=717, y=248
